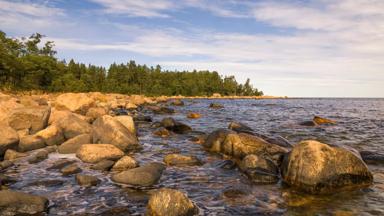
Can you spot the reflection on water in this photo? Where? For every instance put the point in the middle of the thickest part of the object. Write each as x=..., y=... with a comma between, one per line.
x=216, y=187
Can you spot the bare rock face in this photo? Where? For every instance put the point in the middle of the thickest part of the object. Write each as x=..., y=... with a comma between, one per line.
x=107, y=129
x=52, y=135
x=9, y=139
x=128, y=122
x=93, y=153
x=31, y=142
x=18, y=203
x=181, y=160
x=170, y=202
x=72, y=145
x=34, y=119
x=73, y=126
x=125, y=163
x=75, y=102
x=316, y=167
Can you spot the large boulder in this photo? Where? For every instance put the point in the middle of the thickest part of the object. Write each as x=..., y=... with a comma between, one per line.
x=34, y=119
x=18, y=203
x=107, y=129
x=52, y=135
x=72, y=145
x=7, y=105
x=259, y=169
x=12, y=155
x=73, y=126
x=95, y=112
x=93, y=153
x=31, y=142
x=75, y=102
x=58, y=115
x=175, y=126
x=170, y=202
x=9, y=139
x=146, y=175
x=128, y=122
x=316, y=167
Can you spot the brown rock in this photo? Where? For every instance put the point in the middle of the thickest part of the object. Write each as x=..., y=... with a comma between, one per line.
x=73, y=126
x=96, y=112
x=34, y=119
x=181, y=160
x=319, y=120
x=12, y=155
x=9, y=139
x=70, y=169
x=72, y=145
x=128, y=122
x=162, y=132
x=75, y=102
x=31, y=142
x=193, y=115
x=91, y=153
x=125, y=163
x=87, y=180
x=52, y=135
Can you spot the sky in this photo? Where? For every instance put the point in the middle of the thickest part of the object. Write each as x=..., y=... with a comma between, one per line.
x=295, y=48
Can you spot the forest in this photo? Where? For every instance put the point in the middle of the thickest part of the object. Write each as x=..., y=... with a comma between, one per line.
x=29, y=64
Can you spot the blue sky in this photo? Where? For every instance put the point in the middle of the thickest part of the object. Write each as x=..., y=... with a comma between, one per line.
x=321, y=48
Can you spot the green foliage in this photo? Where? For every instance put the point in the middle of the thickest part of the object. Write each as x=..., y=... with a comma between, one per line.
x=27, y=65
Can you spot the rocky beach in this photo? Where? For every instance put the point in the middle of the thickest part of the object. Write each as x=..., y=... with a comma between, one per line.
x=114, y=154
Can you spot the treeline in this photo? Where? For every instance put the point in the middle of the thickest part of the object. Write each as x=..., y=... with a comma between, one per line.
x=26, y=64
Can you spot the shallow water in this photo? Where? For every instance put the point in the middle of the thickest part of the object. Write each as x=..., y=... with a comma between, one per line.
x=360, y=124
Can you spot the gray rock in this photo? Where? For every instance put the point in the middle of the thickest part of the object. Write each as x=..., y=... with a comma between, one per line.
x=87, y=180
x=17, y=203
x=72, y=145
x=146, y=175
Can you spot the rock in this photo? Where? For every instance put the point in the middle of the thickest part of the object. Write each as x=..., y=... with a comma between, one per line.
x=30, y=143
x=192, y=115
x=279, y=140
x=308, y=123
x=125, y=163
x=51, y=149
x=60, y=164
x=72, y=145
x=177, y=102
x=38, y=157
x=5, y=164
x=106, y=129
x=216, y=106
x=95, y=112
x=58, y=115
x=142, y=118
x=87, y=180
x=236, y=191
x=240, y=127
x=73, y=126
x=6, y=180
x=9, y=139
x=319, y=120
x=372, y=157
x=216, y=95
x=104, y=165
x=70, y=169
x=146, y=175
x=200, y=139
x=18, y=203
x=181, y=160
x=47, y=183
x=75, y=102
x=7, y=105
x=259, y=169
x=23, y=133
x=316, y=167
x=128, y=122
x=12, y=155
x=175, y=126
x=93, y=153
x=170, y=202
x=162, y=132
x=215, y=140
x=34, y=119
x=162, y=110
x=52, y=135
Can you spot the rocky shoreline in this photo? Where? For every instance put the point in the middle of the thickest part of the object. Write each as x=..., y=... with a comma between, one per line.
x=101, y=130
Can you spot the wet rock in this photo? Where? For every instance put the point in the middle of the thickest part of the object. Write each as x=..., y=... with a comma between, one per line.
x=72, y=145
x=9, y=139
x=60, y=164
x=142, y=118
x=319, y=120
x=170, y=202
x=177, y=102
x=372, y=157
x=5, y=164
x=47, y=183
x=104, y=165
x=34, y=119
x=216, y=106
x=52, y=135
x=125, y=163
x=93, y=153
x=240, y=127
x=181, y=160
x=162, y=132
x=236, y=191
x=128, y=122
x=73, y=126
x=162, y=110
x=175, y=126
x=259, y=169
x=200, y=139
x=70, y=169
x=106, y=129
x=192, y=115
x=18, y=203
x=146, y=175
x=215, y=139
x=75, y=102
x=30, y=143
x=12, y=155
x=279, y=140
x=38, y=157
x=336, y=168
x=95, y=112
x=87, y=180
x=51, y=149
x=6, y=180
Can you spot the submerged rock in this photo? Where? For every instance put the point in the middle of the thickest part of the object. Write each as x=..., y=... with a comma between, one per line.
x=162, y=110
x=125, y=163
x=175, y=126
x=259, y=169
x=181, y=160
x=162, y=132
x=93, y=153
x=87, y=180
x=72, y=145
x=216, y=106
x=336, y=168
x=18, y=203
x=34, y=119
x=107, y=129
x=9, y=139
x=146, y=175
x=170, y=202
